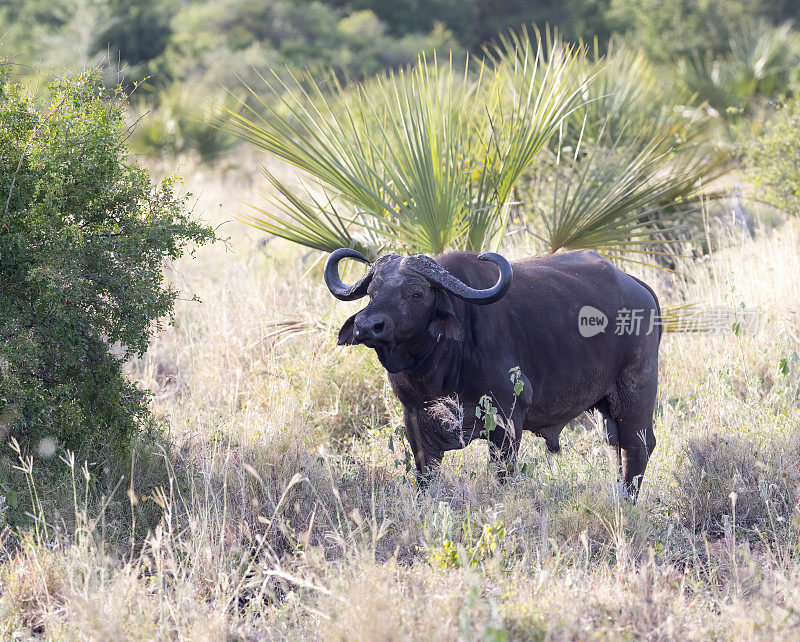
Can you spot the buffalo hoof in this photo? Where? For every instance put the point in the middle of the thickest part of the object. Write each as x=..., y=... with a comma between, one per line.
x=620, y=491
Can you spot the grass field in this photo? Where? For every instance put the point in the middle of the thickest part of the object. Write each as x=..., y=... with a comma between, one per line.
x=280, y=504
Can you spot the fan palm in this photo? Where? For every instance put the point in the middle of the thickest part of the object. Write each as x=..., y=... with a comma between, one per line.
x=623, y=195
x=628, y=164
x=757, y=67
x=418, y=160
x=431, y=158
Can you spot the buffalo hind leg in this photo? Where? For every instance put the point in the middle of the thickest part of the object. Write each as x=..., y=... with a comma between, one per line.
x=632, y=405
x=637, y=442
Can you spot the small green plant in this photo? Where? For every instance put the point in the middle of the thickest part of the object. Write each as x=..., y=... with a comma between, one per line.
x=453, y=555
x=487, y=412
x=492, y=537
x=515, y=375
x=783, y=366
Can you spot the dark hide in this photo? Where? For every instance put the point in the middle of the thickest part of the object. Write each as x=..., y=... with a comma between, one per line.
x=435, y=345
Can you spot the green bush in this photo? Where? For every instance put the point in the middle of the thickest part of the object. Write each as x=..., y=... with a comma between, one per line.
x=83, y=238
x=216, y=40
x=773, y=159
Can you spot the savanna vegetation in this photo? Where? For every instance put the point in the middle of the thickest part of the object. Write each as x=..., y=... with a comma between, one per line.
x=186, y=454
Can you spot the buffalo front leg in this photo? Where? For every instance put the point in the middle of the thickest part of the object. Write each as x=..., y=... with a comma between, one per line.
x=504, y=442
x=426, y=457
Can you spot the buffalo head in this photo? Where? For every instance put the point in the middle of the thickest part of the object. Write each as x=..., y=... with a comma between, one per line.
x=411, y=304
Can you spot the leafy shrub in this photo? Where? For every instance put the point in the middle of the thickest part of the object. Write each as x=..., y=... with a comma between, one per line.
x=138, y=30
x=82, y=241
x=773, y=159
x=671, y=29
x=216, y=40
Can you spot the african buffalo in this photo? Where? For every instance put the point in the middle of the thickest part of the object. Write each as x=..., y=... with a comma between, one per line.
x=451, y=329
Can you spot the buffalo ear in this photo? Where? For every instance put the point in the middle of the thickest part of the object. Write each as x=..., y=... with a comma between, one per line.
x=444, y=323
x=346, y=333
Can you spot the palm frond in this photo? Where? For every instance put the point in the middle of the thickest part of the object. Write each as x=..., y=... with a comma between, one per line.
x=423, y=159
x=428, y=159
x=629, y=164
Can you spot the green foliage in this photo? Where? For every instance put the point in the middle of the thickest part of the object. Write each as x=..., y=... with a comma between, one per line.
x=201, y=39
x=773, y=159
x=486, y=411
x=300, y=35
x=82, y=242
x=138, y=31
x=670, y=29
x=206, y=42
x=515, y=376
x=432, y=160
x=628, y=163
x=757, y=65
x=417, y=161
x=474, y=23
x=450, y=547
x=731, y=54
x=52, y=35
x=176, y=124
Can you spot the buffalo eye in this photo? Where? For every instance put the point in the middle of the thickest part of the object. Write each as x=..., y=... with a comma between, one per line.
x=416, y=296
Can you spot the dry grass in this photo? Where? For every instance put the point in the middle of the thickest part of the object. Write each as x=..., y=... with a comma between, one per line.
x=279, y=502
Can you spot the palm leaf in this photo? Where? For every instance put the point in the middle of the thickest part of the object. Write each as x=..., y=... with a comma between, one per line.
x=428, y=159
x=417, y=158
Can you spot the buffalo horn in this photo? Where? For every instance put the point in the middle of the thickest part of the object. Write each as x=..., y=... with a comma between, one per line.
x=334, y=282
x=436, y=273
